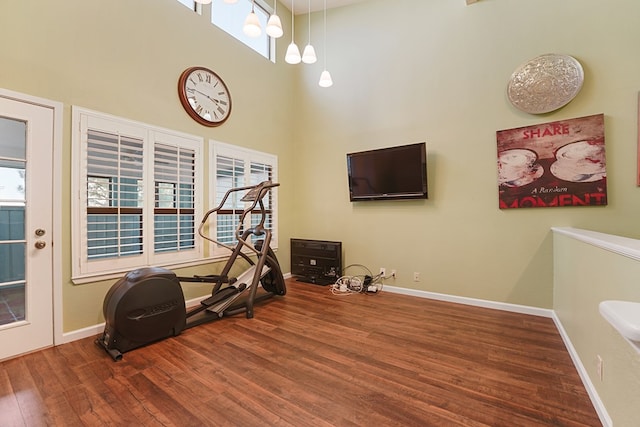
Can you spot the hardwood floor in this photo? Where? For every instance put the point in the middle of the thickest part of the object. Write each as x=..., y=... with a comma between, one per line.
x=314, y=359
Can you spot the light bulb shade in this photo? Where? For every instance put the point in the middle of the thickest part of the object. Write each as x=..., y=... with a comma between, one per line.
x=293, y=54
x=325, y=79
x=252, y=25
x=274, y=27
x=204, y=1
x=309, y=55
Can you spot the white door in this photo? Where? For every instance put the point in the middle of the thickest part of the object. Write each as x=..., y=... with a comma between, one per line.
x=26, y=267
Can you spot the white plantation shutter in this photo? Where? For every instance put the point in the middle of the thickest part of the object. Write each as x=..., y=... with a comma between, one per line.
x=114, y=213
x=139, y=195
x=229, y=174
x=263, y=172
x=239, y=167
x=174, y=178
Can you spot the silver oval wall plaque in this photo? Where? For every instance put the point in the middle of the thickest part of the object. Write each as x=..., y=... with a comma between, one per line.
x=545, y=83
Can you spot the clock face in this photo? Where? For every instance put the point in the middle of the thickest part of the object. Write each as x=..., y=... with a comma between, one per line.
x=204, y=96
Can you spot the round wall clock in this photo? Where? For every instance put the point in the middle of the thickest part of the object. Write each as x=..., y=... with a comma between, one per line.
x=204, y=96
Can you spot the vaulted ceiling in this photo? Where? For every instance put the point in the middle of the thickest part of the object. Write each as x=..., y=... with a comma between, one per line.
x=302, y=6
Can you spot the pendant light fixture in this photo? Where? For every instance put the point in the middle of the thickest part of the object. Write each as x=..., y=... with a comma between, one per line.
x=325, y=77
x=293, y=53
x=252, y=23
x=309, y=53
x=274, y=26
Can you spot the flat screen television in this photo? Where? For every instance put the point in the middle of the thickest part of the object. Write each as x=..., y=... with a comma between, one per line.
x=388, y=173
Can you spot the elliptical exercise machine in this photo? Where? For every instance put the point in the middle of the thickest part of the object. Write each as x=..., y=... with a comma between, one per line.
x=148, y=305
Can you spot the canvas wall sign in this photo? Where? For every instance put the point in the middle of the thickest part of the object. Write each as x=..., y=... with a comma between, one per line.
x=553, y=164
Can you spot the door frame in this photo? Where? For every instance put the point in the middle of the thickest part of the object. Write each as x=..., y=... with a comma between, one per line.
x=56, y=208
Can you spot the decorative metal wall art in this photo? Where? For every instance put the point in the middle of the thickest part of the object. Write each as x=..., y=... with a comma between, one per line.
x=545, y=83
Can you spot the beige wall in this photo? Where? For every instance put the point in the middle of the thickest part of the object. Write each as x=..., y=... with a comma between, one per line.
x=124, y=58
x=437, y=71
x=404, y=71
x=587, y=273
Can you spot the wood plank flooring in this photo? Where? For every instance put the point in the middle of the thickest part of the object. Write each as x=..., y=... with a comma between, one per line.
x=314, y=359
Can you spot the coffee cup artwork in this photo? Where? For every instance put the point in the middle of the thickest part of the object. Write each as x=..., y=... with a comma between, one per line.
x=518, y=167
x=554, y=164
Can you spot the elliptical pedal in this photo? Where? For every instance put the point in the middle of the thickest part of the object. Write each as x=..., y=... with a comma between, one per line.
x=245, y=281
x=223, y=294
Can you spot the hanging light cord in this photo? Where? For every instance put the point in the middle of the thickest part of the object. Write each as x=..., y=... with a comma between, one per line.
x=325, y=34
x=310, y=21
x=292, y=22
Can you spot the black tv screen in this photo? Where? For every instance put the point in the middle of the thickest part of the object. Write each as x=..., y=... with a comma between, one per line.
x=388, y=173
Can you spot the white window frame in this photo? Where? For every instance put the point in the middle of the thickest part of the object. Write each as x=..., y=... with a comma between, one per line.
x=237, y=32
x=190, y=4
x=85, y=270
x=217, y=148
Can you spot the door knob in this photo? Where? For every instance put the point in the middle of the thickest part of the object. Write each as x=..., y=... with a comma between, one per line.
x=40, y=232
x=40, y=244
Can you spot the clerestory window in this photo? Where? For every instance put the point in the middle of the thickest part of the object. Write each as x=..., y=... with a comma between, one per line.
x=231, y=17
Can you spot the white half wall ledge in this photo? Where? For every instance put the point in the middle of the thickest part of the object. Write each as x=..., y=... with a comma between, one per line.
x=617, y=244
x=624, y=316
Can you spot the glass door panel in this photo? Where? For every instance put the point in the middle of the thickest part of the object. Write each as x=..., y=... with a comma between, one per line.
x=12, y=220
x=26, y=222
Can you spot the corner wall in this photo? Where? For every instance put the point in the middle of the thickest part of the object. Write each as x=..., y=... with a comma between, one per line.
x=437, y=71
x=586, y=272
x=124, y=58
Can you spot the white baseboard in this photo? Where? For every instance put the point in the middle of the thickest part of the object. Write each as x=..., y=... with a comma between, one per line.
x=523, y=309
x=605, y=419
x=79, y=334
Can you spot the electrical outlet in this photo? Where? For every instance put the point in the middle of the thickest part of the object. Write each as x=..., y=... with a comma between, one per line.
x=600, y=367
x=383, y=271
x=416, y=276
x=393, y=274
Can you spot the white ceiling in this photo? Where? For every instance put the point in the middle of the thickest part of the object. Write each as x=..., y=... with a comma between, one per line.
x=302, y=6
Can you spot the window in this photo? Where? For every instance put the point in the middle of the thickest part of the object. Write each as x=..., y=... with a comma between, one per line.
x=174, y=181
x=238, y=167
x=12, y=209
x=189, y=3
x=138, y=193
x=231, y=17
x=113, y=207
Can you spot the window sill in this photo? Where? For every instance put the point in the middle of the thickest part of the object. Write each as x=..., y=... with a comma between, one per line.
x=117, y=274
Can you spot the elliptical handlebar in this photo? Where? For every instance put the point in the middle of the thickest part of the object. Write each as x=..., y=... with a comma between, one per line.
x=255, y=194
